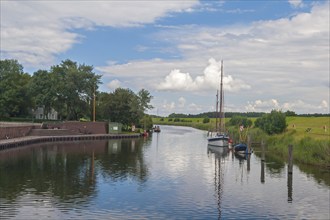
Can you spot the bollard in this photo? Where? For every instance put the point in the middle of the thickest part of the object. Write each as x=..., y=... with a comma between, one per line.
x=290, y=188
x=262, y=177
x=262, y=150
x=249, y=143
x=248, y=162
x=290, y=165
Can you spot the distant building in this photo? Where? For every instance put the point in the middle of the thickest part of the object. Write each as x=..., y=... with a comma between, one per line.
x=39, y=114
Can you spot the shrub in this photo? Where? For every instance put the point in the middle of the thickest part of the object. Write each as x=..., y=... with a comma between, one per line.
x=273, y=123
x=238, y=120
x=206, y=120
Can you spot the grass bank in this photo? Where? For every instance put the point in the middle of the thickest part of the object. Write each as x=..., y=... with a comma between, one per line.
x=309, y=136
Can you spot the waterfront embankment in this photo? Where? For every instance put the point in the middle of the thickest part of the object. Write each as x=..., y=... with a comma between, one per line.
x=20, y=134
x=16, y=142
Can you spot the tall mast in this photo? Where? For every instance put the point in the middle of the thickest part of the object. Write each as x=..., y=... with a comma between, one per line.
x=221, y=113
x=216, y=111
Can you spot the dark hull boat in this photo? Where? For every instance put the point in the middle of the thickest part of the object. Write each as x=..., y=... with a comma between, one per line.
x=241, y=148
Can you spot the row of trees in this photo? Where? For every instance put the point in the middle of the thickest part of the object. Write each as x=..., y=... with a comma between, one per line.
x=68, y=88
x=214, y=114
x=242, y=114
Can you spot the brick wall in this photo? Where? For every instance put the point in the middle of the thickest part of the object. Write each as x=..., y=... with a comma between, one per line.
x=14, y=132
x=77, y=127
x=82, y=127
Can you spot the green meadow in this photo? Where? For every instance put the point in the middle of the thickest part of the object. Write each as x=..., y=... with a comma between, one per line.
x=310, y=137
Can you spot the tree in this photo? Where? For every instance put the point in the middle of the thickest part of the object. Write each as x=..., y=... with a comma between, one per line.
x=42, y=89
x=238, y=120
x=14, y=98
x=273, y=123
x=146, y=122
x=121, y=107
x=124, y=106
x=144, y=98
x=290, y=113
x=75, y=86
x=206, y=120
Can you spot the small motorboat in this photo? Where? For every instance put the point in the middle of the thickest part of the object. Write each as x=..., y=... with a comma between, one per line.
x=157, y=129
x=242, y=148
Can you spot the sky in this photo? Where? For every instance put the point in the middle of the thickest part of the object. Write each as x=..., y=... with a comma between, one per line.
x=275, y=53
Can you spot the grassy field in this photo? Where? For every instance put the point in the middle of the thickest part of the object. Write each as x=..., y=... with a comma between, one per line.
x=310, y=137
x=314, y=127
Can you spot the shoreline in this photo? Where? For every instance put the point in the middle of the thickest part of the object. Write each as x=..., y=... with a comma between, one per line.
x=22, y=141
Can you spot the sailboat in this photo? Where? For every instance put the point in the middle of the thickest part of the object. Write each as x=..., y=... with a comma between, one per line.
x=220, y=138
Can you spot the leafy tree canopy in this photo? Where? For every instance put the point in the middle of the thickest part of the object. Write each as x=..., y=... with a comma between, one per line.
x=272, y=123
x=14, y=99
x=124, y=106
x=237, y=120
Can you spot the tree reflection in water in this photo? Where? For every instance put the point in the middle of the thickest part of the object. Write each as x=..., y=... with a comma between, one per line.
x=68, y=170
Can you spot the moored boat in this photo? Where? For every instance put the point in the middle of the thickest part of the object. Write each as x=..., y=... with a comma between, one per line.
x=241, y=147
x=157, y=129
x=219, y=138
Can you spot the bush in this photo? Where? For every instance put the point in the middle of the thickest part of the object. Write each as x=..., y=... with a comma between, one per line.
x=238, y=120
x=83, y=119
x=206, y=120
x=146, y=122
x=273, y=123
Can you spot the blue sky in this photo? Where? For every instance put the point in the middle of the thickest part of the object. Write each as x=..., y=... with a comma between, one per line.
x=276, y=53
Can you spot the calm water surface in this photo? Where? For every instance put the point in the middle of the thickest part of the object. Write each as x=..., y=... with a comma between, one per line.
x=171, y=175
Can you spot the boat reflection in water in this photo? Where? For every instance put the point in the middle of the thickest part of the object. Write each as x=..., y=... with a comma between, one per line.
x=219, y=159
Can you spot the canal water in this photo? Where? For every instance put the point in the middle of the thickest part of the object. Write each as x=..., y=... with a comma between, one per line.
x=171, y=175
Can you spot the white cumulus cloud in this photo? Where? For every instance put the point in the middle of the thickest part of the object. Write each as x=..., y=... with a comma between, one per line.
x=179, y=81
x=114, y=84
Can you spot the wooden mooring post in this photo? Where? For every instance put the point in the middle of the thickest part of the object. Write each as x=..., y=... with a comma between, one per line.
x=290, y=164
x=262, y=150
x=290, y=167
x=249, y=143
x=262, y=176
x=248, y=162
x=290, y=188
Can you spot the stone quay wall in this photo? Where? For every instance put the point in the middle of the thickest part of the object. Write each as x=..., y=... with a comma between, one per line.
x=17, y=130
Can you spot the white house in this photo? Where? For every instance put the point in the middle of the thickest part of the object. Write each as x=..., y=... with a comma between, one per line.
x=39, y=114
